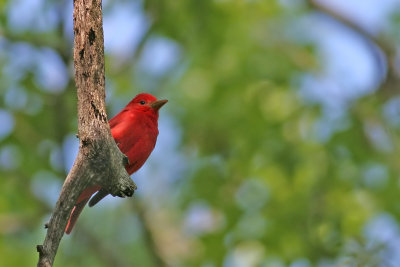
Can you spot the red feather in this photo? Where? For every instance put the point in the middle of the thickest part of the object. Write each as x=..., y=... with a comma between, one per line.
x=135, y=130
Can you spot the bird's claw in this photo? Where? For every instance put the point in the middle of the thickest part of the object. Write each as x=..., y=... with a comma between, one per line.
x=129, y=191
x=126, y=191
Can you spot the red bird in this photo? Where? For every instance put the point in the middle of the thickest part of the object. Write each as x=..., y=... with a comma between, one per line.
x=135, y=130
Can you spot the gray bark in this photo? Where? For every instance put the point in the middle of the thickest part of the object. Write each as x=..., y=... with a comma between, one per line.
x=99, y=161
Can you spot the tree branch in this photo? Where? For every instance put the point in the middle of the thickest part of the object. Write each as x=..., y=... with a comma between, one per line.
x=391, y=81
x=99, y=161
x=350, y=24
x=107, y=252
x=148, y=236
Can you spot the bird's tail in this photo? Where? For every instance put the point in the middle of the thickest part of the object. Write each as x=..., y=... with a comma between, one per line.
x=80, y=204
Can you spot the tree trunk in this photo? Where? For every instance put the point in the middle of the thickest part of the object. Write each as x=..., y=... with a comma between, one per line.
x=99, y=161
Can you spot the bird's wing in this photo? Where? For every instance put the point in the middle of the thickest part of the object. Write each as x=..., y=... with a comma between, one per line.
x=121, y=126
x=121, y=118
x=99, y=196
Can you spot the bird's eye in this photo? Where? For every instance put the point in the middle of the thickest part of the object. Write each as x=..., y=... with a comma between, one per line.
x=142, y=102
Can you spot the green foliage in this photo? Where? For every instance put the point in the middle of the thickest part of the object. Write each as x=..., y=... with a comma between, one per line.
x=254, y=178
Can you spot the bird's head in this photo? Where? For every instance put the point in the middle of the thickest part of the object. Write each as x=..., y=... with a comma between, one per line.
x=146, y=103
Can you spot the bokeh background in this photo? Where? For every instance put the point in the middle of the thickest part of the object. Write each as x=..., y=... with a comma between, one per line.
x=279, y=145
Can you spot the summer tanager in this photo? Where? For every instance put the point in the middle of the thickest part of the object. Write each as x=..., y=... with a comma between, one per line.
x=135, y=130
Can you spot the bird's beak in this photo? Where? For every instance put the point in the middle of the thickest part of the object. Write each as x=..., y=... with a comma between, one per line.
x=158, y=104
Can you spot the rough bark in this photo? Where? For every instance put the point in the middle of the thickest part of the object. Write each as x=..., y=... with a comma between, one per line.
x=99, y=161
